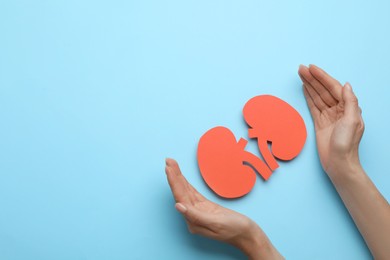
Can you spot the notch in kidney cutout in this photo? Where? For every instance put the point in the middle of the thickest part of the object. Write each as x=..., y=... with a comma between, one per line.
x=273, y=120
x=221, y=162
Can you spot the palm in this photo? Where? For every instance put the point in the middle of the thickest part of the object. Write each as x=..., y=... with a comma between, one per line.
x=327, y=127
x=212, y=219
x=324, y=98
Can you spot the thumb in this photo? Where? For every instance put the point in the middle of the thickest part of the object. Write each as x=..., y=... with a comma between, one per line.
x=193, y=214
x=351, y=105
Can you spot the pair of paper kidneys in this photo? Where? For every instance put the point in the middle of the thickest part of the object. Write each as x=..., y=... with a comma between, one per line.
x=224, y=164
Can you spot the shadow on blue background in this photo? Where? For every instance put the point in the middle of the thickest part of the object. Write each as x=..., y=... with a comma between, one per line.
x=94, y=95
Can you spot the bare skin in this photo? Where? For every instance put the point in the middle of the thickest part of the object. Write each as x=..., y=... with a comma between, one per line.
x=339, y=128
x=211, y=220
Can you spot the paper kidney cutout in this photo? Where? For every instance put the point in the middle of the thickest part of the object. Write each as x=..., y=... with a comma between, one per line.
x=221, y=162
x=273, y=120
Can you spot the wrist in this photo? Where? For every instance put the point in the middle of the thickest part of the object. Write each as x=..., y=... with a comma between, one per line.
x=256, y=245
x=345, y=170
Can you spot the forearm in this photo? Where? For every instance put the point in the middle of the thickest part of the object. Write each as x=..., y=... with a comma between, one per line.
x=368, y=208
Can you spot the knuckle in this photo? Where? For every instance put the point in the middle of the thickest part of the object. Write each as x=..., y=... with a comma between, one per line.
x=354, y=121
x=362, y=125
x=354, y=100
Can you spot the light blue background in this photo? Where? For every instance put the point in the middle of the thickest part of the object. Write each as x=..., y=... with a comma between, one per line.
x=95, y=94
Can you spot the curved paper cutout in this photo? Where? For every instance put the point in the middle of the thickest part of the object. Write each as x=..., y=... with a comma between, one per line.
x=221, y=158
x=273, y=120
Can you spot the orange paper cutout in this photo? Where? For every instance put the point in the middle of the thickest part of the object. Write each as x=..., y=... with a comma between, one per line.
x=273, y=120
x=222, y=160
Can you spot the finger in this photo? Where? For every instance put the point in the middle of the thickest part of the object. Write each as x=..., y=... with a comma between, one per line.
x=320, y=104
x=178, y=188
x=324, y=93
x=314, y=111
x=185, y=190
x=317, y=100
x=173, y=164
x=334, y=86
x=194, y=215
x=351, y=104
x=177, y=181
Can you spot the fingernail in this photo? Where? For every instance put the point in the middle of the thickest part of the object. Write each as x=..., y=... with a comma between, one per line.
x=301, y=66
x=167, y=161
x=180, y=207
x=348, y=86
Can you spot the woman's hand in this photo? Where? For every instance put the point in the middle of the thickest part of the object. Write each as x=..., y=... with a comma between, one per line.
x=211, y=220
x=337, y=119
x=339, y=128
